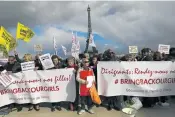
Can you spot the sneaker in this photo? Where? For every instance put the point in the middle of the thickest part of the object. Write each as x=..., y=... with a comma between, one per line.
x=19, y=109
x=91, y=111
x=165, y=104
x=58, y=108
x=53, y=109
x=109, y=108
x=81, y=112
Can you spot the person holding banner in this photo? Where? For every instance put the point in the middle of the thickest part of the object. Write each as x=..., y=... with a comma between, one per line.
x=57, y=65
x=38, y=62
x=147, y=56
x=93, y=65
x=82, y=77
x=71, y=64
x=28, y=58
x=12, y=66
x=163, y=99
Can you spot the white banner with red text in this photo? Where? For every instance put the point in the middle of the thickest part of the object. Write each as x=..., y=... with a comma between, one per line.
x=40, y=86
x=146, y=79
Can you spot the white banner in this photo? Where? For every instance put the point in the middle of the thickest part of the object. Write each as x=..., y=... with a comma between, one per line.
x=40, y=86
x=28, y=66
x=146, y=79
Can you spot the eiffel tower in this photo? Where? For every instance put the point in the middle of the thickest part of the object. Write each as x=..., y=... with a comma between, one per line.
x=89, y=33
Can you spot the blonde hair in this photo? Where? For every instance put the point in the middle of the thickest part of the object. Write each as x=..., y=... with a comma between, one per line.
x=27, y=57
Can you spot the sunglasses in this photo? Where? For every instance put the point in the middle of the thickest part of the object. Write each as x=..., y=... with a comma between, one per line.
x=86, y=61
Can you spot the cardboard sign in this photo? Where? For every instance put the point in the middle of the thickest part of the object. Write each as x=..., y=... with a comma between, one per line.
x=164, y=48
x=38, y=48
x=28, y=66
x=46, y=61
x=133, y=49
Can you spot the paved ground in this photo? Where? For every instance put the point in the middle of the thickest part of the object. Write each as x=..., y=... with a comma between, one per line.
x=100, y=112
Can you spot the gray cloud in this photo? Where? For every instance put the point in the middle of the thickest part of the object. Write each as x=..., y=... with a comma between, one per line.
x=145, y=24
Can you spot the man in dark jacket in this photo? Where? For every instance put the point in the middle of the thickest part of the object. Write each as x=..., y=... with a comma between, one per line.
x=147, y=56
x=12, y=65
x=112, y=101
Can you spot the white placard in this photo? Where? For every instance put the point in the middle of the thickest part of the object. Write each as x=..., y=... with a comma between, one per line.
x=28, y=66
x=164, y=48
x=90, y=80
x=38, y=48
x=5, y=79
x=133, y=49
x=46, y=61
x=41, y=86
x=145, y=79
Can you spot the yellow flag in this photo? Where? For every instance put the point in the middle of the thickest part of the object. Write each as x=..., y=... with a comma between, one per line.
x=23, y=32
x=7, y=39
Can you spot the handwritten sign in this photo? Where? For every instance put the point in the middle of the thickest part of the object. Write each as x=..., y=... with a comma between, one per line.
x=38, y=48
x=28, y=66
x=5, y=79
x=164, y=48
x=46, y=61
x=133, y=49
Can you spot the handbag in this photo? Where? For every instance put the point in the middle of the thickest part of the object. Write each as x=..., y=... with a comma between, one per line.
x=94, y=95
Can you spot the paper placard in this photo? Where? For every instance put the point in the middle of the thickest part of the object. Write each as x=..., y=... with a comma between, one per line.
x=164, y=48
x=133, y=49
x=28, y=66
x=5, y=79
x=46, y=61
x=90, y=80
x=38, y=48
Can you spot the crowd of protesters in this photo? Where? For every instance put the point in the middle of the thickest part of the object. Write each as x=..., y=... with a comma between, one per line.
x=89, y=62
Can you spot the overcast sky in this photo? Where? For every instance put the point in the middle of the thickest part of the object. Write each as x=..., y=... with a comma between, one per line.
x=144, y=24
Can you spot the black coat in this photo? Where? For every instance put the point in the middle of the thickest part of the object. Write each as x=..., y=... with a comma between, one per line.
x=14, y=68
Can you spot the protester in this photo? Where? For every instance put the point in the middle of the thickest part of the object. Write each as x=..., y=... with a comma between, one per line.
x=82, y=75
x=93, y=65
x=27, y=58
x=71, y=64
x=147, y=56
x=113, y=101
x=163, y=99
x=38, y=62
x=12, y=66
x=57, y=65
